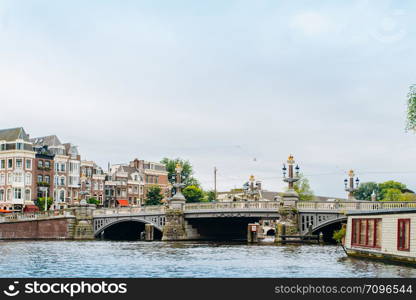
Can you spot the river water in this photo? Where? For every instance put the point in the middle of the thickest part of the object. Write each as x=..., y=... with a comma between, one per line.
x=184, y=259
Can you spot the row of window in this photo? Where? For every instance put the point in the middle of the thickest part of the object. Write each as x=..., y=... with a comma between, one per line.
x=17, y=194
x=367, y=233
x=152, y=179
x=10, y=146
x=10, y=163
x=15, y=178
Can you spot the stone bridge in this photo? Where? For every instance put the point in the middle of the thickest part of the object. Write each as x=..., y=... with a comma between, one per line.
x=192, y=221
x=205, y=220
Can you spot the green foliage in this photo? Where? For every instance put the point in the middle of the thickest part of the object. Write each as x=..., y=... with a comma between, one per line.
x=93, y=200
x=210, y=195
x=193, y=194
x=365, y=190
x=411, y=109
x=339, y=234
x=41, y=203
x=187, y=171
x=154, y=195
x=388, y=185
x=392, y=195
x=303, y=188
x=408, y=197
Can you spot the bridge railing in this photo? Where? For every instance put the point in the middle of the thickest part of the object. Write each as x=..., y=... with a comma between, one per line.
x=129, y=210
x=35, y=215
x=356, y=205
x=255, y=205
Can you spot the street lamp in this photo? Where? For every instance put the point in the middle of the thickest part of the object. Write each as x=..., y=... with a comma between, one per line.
x=292, y=178
x=349, y=184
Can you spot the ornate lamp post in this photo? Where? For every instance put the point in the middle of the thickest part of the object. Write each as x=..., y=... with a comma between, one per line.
x=178, y=200
x=290, y=197
x=349, y=184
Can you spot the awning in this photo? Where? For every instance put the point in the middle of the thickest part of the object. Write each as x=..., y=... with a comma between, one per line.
x=30, y=208
x=123, y=202
x=5, y=211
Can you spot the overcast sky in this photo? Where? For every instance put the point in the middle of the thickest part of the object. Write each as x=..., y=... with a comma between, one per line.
x=238, y=85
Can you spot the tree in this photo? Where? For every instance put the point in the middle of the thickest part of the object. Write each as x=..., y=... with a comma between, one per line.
x=391, y=184
x=186, y=174
x=41, y=203
x=210, y=195
x=366, y=189
x=408, y=197
x=411, y=109
x=154, y=195
x=303, y=189
x=392, y=195
x=193, y=194
x=93, y=200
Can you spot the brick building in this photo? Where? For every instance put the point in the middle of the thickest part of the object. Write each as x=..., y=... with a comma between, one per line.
x=92, y=181
x=127, y=184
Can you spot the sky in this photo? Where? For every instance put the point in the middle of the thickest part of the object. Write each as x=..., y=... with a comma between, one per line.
x=238, y=85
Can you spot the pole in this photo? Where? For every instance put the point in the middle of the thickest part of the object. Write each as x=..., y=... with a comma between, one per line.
x=215, y=183
x=46, y=199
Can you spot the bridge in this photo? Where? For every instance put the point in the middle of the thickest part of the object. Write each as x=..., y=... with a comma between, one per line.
x=211, y=220
x=225, y=219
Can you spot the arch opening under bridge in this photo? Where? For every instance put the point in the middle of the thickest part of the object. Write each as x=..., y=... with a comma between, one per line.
x=126, y=230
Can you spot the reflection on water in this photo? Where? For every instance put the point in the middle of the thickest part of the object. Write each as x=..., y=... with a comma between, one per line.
x=184, y=259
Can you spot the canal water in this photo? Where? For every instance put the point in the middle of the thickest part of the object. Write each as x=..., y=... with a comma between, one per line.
x=184, y=259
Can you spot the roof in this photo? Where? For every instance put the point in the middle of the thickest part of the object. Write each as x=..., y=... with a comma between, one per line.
x=382, y=212
x=12, y=134
x=50, y=140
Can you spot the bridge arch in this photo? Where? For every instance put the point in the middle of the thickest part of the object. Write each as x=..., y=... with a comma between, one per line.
x=124, y=228
x=327, y=228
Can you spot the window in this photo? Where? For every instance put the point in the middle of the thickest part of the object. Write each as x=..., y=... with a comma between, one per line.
x=403, y=234
x=1, y=195
x=62, y=196
x=9, y=195
x=28, y=178
x=40, y=178
x=62, y=180
x=47, y=164
x=19, y=146
x=366, y=233
x=10, y=163
x=63, y=168
x=40, y=164
x=9, y=178
x=3, y=179
x=47, y=179
x=27, y=195
x=19, y=163
x=18, y=193
x=3, y=147
x=28, y=164
x=18, y=177
x=3, y=164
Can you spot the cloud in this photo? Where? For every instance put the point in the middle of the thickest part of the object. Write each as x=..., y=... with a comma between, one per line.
x=311, y=23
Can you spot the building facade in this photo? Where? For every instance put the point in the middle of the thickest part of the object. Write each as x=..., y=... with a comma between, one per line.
x=92, y=181
x=17, y=157
x=127, y=184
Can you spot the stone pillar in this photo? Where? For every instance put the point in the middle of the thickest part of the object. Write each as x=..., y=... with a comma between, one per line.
x=174, y=229
x=280, y=230
x=253, y=233
x=149, y=232
x=83, y=226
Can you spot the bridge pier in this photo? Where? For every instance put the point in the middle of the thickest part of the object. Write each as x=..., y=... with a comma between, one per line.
x=253, y=232
x=149, y=232
x=174, y=229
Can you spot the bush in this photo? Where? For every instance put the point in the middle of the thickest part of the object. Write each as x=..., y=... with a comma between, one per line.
x=193, y=194
x=93, y=200
x=339, y=234
x=41, y=203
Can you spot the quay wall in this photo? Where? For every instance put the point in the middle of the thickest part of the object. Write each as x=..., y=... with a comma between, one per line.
x=56, y=228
